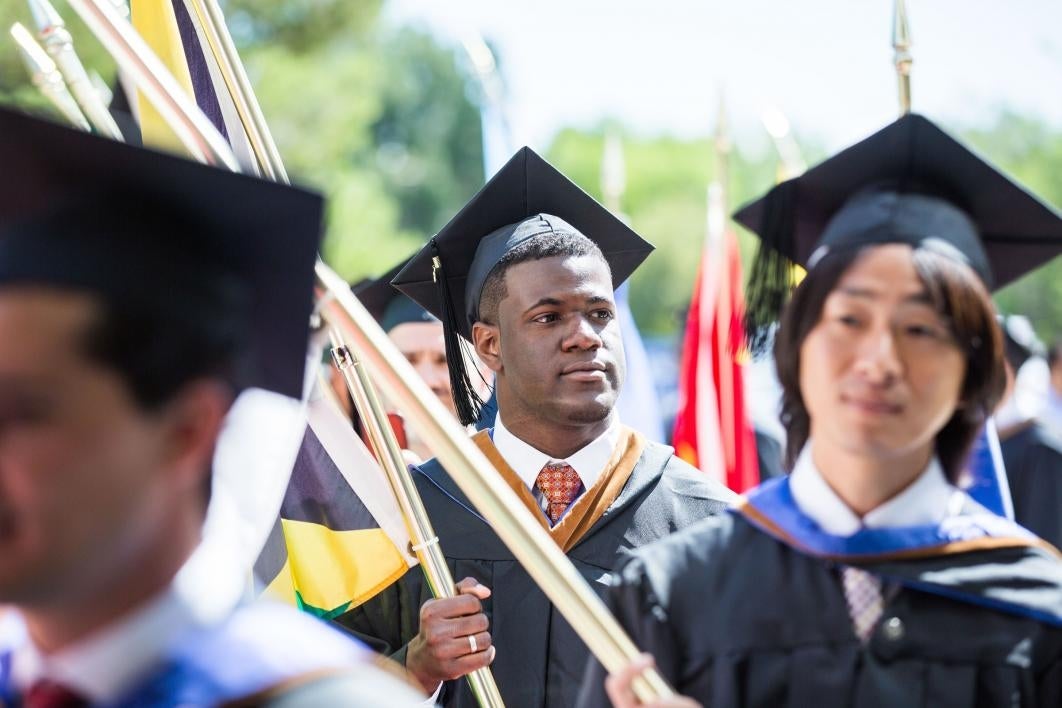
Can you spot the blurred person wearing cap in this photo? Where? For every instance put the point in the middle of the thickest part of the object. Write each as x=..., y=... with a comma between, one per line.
x=526, y=272
x=866, y=577
x=139, y=294
x=419, y=335
x=1032, y=455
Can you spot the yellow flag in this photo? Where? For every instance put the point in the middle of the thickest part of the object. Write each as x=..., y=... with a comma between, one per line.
x=155, y=21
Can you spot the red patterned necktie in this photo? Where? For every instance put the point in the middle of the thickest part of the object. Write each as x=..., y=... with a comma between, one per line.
x=560, y=484
x=48, y=694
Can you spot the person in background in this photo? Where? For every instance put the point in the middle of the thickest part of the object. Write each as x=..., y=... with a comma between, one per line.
x=139, y=293
x=1032, y=455
x=1052, y=412
x=866, y=577
x=416, y=333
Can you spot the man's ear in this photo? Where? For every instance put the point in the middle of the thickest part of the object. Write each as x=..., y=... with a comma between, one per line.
x=487, y=342
x=194, y=419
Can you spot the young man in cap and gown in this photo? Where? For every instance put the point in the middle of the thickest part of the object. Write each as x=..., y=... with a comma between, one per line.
x=866, y=577
x=527, y=272
x=139, y=293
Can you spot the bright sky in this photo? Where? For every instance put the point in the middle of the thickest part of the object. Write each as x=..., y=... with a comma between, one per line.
x=658, y=65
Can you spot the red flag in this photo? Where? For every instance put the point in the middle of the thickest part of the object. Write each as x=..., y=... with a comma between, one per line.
x=712, y=429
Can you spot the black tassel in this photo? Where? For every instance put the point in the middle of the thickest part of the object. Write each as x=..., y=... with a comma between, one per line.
x=466, y=401
x=771, y=275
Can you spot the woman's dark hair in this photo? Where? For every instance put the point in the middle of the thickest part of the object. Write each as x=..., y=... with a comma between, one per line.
x=957, y=293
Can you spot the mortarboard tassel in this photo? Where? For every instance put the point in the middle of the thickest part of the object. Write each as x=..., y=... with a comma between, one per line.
x=466, y=401
x=771, y=275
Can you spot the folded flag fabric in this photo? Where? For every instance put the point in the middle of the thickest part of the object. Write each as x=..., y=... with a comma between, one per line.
x=340, y=537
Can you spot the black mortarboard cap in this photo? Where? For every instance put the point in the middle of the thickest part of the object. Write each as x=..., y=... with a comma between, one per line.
x=908, y=183
x=387, y=304
x=133, y=225
x=526, y=198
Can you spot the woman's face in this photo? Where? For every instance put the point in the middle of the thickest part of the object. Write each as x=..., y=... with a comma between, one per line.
x=880, y=373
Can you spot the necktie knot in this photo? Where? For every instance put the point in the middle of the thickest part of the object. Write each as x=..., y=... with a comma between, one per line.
x=48, y=694
x=560, y=485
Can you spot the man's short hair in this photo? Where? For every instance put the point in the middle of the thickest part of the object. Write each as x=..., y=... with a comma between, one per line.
x=157, y=351
x=558, y=244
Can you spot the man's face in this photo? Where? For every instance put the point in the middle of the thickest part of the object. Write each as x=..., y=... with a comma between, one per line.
x=560, y=355
x=423, y=346
x=82, y=468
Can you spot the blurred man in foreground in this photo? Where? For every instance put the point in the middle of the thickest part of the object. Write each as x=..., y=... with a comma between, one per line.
x=136, y=301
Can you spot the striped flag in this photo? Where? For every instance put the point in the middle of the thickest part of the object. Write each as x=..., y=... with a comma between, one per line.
x=178, y=39
x=712, y=428
x=340, y=537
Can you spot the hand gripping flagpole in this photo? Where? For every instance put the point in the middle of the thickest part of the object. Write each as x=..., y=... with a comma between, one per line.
x=532, y=546
x=425, y=544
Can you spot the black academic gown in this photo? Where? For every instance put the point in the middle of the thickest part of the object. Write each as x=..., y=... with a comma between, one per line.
x=736, y=617
x=1032, y=457
x=540, y=659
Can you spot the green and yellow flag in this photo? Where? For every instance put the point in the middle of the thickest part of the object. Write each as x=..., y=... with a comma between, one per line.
x=340, y=538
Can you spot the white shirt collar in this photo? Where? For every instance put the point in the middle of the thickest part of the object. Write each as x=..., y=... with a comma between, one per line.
x=588, y=462
x=105, y=665
x=927, y=500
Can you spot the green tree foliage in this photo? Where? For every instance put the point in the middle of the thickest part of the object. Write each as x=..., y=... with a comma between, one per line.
x=1030, y=152
x=666, y=202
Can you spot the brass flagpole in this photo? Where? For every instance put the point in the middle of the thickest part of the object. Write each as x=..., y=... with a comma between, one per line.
x=418, y=524
x=222, y=48
x=466, y=464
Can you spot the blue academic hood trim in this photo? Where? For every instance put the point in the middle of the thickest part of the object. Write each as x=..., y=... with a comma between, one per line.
x=771, y=508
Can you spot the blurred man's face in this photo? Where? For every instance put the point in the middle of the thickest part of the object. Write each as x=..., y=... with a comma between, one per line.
x=83, y=475
x=423, y=346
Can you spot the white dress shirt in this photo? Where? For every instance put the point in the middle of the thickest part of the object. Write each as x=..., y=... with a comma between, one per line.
x=928, y=500
x=105, y=665
x=589, y=462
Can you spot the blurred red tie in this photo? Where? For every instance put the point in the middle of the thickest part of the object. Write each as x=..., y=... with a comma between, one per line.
x=48, y=694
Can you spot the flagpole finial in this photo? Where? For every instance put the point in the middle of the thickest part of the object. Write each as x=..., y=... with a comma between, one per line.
x=722, y=125
x=46, y=77
x=60, y=47
x=613, y=172
x=901, y=44
x=791, y=162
